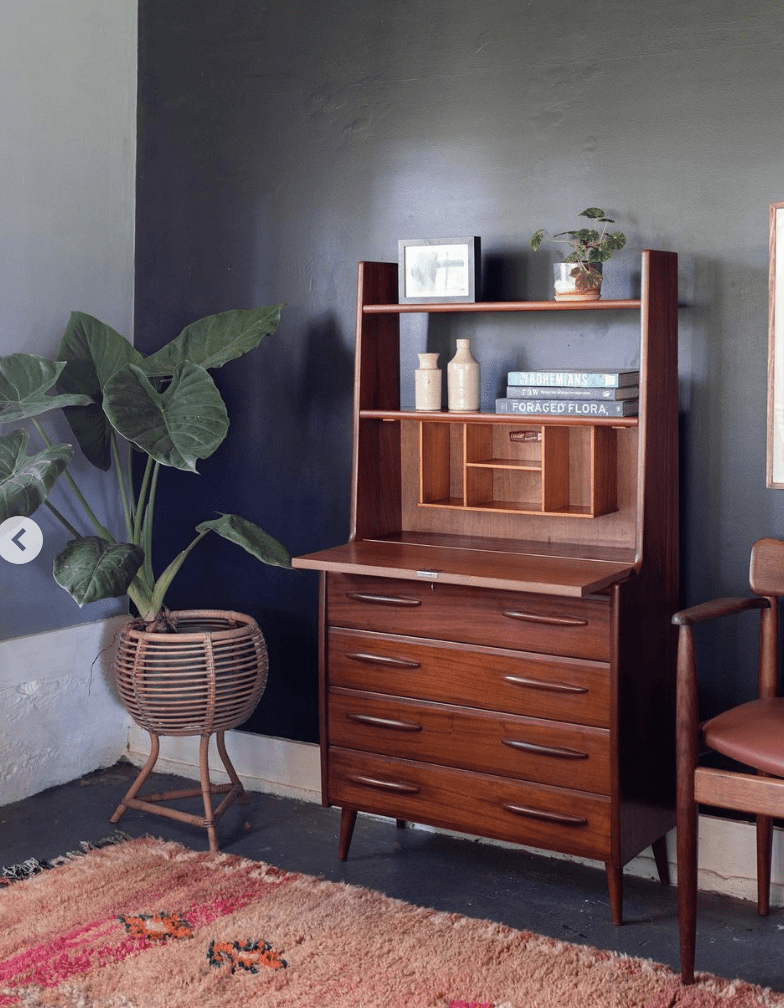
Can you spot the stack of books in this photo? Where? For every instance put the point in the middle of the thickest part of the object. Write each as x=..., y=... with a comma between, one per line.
x=586, y=393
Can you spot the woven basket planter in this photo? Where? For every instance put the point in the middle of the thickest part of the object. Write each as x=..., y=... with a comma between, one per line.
x=201, y=679
x=205, y=677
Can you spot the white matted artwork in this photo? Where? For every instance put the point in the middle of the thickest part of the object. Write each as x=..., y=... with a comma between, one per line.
x=438, y=269
x=775, y=466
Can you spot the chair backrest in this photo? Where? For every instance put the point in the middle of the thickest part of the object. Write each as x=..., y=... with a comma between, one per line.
x=766, y=570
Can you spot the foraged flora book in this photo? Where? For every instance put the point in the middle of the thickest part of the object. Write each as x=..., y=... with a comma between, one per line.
x=569, y=407
x=576, y=379
x=568, y=392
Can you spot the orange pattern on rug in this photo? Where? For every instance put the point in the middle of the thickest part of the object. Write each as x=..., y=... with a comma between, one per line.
x=149, y=924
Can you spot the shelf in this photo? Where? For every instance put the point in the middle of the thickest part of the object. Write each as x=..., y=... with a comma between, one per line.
x=620, y=304
x=528, y=419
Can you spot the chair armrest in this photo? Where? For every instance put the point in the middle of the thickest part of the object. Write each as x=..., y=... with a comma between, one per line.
x=718, y=607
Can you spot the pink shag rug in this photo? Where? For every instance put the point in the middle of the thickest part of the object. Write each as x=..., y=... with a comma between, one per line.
x=148, y=924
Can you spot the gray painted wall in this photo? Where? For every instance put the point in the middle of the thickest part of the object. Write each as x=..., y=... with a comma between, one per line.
x=67, y=118
x=280, y=143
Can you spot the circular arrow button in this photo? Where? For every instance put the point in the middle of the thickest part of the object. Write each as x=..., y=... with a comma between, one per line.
x=20, y=540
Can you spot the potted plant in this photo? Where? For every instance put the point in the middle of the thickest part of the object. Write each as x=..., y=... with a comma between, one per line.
x=579, y=275
x=194, y=672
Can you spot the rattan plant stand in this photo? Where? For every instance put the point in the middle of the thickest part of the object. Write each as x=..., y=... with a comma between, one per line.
x=204, y=677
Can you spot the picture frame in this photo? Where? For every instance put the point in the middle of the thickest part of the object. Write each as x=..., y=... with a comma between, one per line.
x=438, y=270
x=775, y=448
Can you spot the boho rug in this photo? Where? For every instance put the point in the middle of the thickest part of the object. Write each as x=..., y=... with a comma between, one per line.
x=149, y=924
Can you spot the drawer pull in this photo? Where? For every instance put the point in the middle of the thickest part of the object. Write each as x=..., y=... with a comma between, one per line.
x=396, y=600
x=563, y=621
x=399, y=787
x=554, y=817
x=542, y=750
x=380, y=722
x=378, y=659
x=552, y=687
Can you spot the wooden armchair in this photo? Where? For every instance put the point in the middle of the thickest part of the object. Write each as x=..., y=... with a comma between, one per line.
x=751, y=734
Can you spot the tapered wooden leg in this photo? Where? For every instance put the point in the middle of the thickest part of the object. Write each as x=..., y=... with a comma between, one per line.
x=144, y=773
x=686, y=744
x=659, y=848
x=348, y=818
x=615, y=889
x=206, y=791
x=764, y=850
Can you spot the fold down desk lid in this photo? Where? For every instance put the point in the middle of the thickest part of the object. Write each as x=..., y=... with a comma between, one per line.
x=528, y=572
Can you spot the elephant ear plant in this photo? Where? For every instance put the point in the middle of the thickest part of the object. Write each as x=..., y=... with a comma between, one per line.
x=118, y=404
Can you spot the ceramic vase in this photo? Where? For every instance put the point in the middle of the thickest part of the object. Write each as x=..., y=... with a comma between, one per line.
x=427, y=383
x=462, y=374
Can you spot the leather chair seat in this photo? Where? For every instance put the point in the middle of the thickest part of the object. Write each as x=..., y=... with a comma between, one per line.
x=752, y=734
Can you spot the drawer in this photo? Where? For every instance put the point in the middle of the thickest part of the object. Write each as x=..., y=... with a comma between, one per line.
x=558, y=819
x=532, y=749
x=546, y=624
x=519, y=682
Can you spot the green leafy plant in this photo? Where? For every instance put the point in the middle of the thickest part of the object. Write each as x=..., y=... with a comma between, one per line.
x=118, y=403
x=589, y=246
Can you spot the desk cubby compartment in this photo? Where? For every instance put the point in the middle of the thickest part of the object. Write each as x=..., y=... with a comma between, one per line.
x=518, y=468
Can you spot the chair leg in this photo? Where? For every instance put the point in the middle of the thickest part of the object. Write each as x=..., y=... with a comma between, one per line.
x=687, y=887
x=662, y=861
x=764, y=851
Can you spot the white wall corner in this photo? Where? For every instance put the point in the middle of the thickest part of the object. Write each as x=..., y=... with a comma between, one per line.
x=60, y=714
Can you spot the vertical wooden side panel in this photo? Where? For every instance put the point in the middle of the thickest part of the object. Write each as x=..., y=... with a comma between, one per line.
x=604, y=476
x=434, y=466
x=375, y=492
x=555, y=468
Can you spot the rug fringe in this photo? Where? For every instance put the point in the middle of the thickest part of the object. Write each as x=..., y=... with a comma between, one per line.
x=32, y=866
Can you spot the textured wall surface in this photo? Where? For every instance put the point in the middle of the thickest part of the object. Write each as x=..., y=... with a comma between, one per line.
x=280, y=143
x=60, y=715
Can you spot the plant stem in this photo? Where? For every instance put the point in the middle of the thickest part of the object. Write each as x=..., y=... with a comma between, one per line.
x=99, y=528
x=125, y=497
x=140, y=503
x=147, y=525
x=61, y=518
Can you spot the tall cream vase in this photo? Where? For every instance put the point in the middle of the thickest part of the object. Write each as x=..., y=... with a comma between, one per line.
x=462, y=375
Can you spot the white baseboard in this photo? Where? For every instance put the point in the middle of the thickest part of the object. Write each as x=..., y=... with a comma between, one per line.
x=292, y=769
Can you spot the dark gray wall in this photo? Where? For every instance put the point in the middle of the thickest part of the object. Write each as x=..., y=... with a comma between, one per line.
x=279, y=143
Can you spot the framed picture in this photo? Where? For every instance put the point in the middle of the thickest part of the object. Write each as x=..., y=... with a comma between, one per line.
x=438, y=270
x=775, y=466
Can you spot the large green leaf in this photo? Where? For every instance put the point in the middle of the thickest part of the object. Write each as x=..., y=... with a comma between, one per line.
x=175, y=427
x=25, y=481
x=253, y=539
x=90, y=568
x=93, y=353
x=215, y=339
x=24, y=381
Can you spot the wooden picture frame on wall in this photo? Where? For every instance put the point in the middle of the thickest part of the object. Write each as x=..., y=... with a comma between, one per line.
x=775, y=460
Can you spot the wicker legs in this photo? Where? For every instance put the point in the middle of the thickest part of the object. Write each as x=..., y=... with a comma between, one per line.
x=148, y=802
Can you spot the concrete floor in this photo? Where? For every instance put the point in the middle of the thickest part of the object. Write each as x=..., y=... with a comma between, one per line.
x=549, y=896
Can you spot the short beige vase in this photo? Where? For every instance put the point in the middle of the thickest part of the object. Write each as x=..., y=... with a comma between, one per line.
x=427, y=383
x=462, y=375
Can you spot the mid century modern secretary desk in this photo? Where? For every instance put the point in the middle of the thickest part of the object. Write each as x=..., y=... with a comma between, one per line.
x=496, y=649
